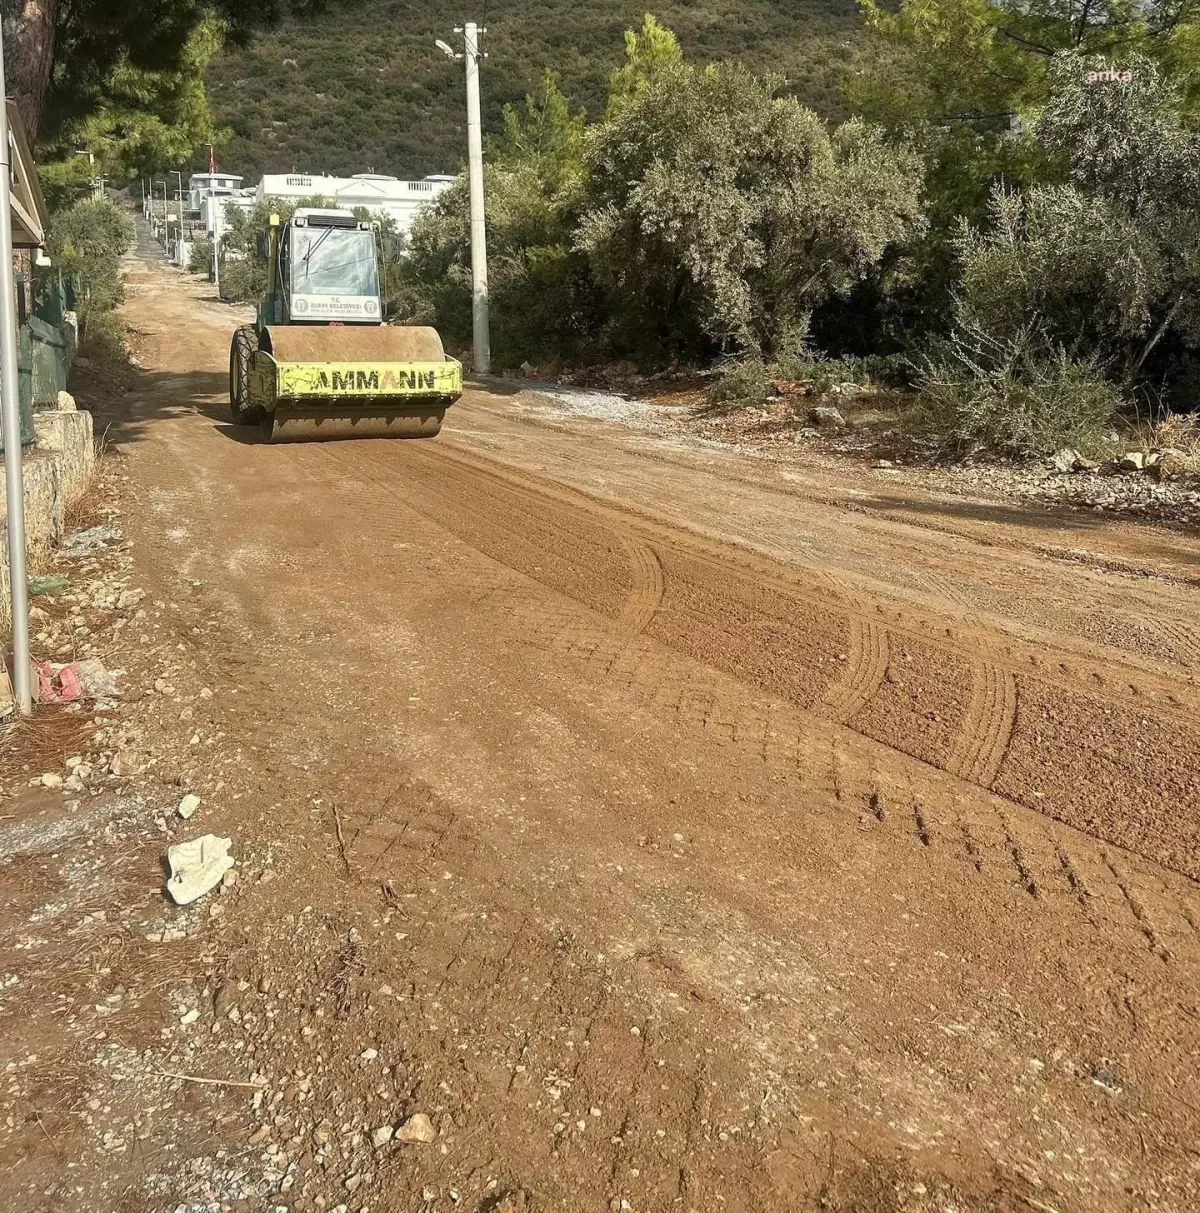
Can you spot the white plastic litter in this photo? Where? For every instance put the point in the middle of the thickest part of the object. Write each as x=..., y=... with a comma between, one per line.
x=197, y=867
x=97, y=682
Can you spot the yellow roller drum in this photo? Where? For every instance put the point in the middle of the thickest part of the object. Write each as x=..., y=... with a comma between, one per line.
x=355, y=382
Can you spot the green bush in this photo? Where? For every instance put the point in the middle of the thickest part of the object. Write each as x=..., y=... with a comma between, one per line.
x=740, y=380
x=89, y=238
x=1007, y=397
x=201, y=255
x=545, y=304
x=104, y=340
x=720, y=212
x=750, y=378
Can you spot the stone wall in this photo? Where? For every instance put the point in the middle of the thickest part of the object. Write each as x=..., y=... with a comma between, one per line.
x=56, y=473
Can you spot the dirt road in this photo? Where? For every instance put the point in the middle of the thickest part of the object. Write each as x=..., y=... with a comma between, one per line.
x=679, y=831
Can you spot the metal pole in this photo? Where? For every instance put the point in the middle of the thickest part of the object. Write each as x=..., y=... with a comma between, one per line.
x=218, y=213
x=179, y=200
x=10, y=411
x=479, y=283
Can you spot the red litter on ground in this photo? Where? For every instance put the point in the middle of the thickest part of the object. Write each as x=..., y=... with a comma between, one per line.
x=87, y=679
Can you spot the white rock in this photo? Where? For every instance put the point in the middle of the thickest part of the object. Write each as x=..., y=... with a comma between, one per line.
x=124, y=763
x=417, y=1129
x=52, y=780
x=189, y=1018
x=188, y=805
x=381, y=1136
x=827, y=415
x=369, y=1054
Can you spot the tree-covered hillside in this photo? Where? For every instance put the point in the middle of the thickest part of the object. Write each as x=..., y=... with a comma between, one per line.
x=364, y=87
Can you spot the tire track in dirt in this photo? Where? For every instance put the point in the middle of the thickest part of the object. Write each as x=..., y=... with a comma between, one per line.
x=867, y=666
x=986, y=733
x=810, y=586
x=719, y=707
x=938, y=700
x=1180, y=640
x=647, y=591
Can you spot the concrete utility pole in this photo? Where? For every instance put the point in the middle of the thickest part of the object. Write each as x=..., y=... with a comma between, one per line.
x=480, y=326
x=218, y=216
x=179, y=198
x=10, y=412
x=166, y=212
x=481, y=329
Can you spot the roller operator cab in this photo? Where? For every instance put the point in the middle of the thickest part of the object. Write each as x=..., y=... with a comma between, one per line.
x=319, y=362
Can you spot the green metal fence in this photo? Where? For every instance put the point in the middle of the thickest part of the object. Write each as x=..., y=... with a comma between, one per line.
x=53, y=295
x=46, y=360
x=43, y=353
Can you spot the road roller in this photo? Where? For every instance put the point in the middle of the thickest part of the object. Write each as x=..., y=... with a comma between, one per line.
x=318, y=362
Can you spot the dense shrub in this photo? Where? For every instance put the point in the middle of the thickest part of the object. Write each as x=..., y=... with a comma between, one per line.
x=544, y=302
x=740, y=380
x=1073, y=269
x=1010, y=396
x=200, y=256
x=748, y=379
x=718, y=208
x=89, y=238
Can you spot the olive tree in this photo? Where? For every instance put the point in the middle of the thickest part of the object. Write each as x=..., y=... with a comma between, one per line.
x=717, y=208
x=1106, y=265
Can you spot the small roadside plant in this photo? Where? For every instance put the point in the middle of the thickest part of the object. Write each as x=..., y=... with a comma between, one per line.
x=200, y=256
x=1005, y=395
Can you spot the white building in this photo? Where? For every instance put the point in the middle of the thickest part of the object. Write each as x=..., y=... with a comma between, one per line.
x=215, y=208
x=380, y=194
x=202, y=186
